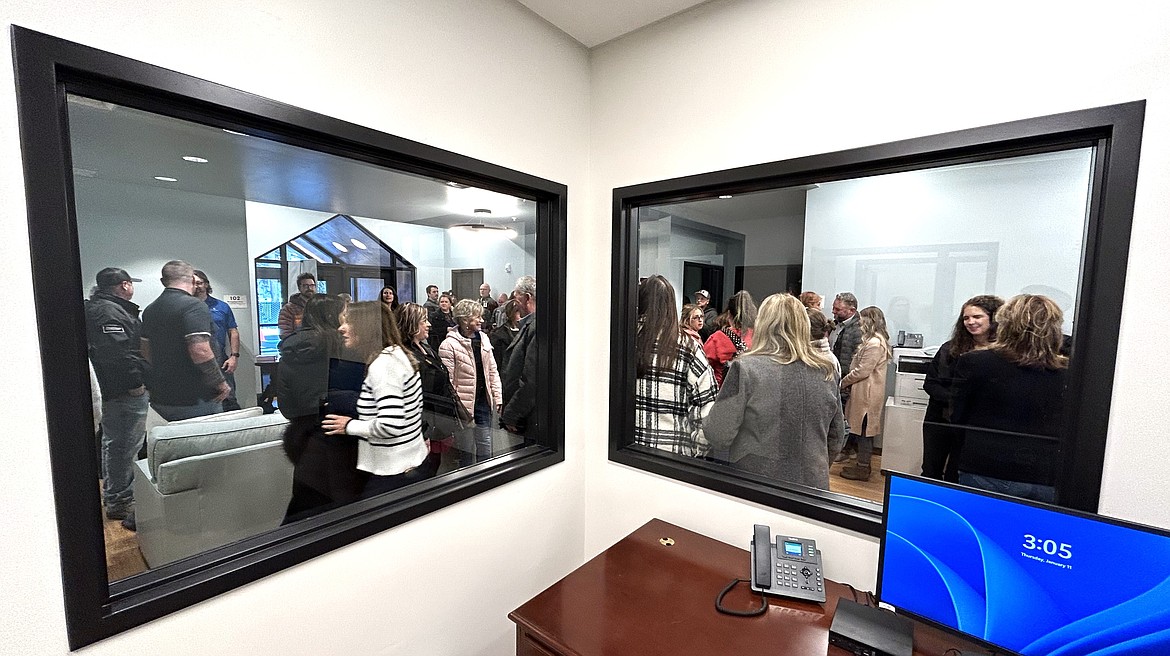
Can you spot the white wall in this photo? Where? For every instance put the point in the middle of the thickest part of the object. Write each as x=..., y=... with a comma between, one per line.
x=486, y=79
x=141, y=227
x=737, y=82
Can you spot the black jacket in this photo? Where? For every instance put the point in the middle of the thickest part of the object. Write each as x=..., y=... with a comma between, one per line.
x=519, y=377
x=114, y=330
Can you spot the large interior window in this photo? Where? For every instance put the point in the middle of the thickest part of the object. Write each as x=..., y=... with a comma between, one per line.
x=915, y=229
x=131, y=166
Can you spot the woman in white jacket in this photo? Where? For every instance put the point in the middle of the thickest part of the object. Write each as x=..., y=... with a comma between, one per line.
x=389, y=423
x=467, y=354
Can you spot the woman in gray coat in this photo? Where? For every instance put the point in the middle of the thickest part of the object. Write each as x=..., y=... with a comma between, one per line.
x=778, y=409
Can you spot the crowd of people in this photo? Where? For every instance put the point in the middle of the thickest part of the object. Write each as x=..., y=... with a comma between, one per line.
x=178, y=358
x=375, y=392
x=782, y=392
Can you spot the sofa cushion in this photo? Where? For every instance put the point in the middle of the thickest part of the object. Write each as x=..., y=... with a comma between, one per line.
x=184, y=439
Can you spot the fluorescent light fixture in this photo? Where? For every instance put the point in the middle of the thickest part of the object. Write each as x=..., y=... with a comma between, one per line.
x=467, y=201
x=238, y=134
x=339, y=247
x=193, y=158
x=357, y=243
x=725, y=196
x=484, y=230
x=163, y=178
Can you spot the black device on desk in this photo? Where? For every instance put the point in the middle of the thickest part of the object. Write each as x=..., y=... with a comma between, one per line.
x=788, y=567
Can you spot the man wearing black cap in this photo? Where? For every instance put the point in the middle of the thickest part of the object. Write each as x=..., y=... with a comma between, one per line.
x=185, y=381
x=113, y=330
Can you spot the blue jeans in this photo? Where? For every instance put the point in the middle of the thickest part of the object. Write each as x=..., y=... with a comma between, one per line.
x=483, y=430
x=1033, y=491
x=123, y=428
x=177, y=412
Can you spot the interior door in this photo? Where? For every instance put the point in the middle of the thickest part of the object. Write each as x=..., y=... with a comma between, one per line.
x=465, y=283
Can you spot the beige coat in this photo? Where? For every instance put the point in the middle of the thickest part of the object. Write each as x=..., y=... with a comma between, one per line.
x=866, y=381
x=459, y=358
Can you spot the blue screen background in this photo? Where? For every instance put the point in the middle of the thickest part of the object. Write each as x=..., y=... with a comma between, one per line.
x=958, y=558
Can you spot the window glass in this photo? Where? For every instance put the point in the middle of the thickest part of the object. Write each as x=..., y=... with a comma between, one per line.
x=167, y=196
x=908, y=274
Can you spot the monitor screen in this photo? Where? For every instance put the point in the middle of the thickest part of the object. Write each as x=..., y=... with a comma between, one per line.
x=1029, y=578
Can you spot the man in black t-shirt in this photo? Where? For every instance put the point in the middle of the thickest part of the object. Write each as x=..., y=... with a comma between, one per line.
x=184, y=379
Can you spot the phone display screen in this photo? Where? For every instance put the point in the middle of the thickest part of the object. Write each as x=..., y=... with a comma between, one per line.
x=793, y=549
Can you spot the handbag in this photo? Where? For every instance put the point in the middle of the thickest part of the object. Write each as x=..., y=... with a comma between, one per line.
x=461, y=412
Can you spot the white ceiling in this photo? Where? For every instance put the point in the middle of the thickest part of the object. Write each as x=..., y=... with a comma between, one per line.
x=593, y=22
x=118, y=144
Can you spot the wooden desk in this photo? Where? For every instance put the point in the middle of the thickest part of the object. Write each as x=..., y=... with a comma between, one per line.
x=642, y=597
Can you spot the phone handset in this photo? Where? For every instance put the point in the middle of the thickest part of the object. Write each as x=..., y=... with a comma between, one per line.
x=788, y=567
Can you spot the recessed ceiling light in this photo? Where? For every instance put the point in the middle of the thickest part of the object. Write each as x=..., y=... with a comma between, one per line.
x=725, y=196
x=357, y=243
x=341, y=248
x=193, y=158
x=239, y=134
x=163, y=178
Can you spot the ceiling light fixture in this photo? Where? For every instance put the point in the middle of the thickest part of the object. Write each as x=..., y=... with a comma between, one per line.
x=238, y=134
x=163, y=178
x=341, y=248
x=357, y=243
x=725, y=196
x=193, y=158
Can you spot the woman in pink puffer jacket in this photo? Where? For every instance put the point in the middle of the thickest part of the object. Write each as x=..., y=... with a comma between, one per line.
x=467, y=354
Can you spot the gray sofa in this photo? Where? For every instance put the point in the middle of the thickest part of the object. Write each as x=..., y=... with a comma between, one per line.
x=209, y=481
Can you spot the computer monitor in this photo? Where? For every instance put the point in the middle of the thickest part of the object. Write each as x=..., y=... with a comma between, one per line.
x=1023, y=577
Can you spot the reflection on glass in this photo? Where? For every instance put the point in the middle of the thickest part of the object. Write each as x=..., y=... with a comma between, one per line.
x=255, y=215
x=919, y=247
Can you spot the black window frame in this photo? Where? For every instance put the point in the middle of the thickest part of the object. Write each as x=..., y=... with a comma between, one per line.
x=1115, y=130
x=46, y=69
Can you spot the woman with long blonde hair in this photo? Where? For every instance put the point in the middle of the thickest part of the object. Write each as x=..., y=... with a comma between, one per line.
x=778, y=410
x=1009, y=399
x=866, y=381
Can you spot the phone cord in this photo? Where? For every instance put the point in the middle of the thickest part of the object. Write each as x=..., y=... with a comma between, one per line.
x=739, y=613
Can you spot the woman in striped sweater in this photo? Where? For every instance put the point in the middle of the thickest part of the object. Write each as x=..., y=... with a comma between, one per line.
x=389, y=423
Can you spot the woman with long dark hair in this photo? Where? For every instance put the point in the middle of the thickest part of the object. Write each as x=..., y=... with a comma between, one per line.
x=389, y=296
x=316, y=377
x=867, y=397
x=941, y=442
x=389, y=422
x=1009, y=400
x=778, y=409
x=733, y=333
x=674, y=384
x=440, y=421
x=507, y=326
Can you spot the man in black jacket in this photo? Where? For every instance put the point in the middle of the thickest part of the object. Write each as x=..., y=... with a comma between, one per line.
x=113, y=330
x=519, y=376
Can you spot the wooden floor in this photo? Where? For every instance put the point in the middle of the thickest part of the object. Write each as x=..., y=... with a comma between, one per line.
x=873, y=490
x=122, y=555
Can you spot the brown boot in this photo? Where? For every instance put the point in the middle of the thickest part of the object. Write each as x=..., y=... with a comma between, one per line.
x=856, y=472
